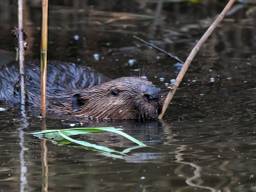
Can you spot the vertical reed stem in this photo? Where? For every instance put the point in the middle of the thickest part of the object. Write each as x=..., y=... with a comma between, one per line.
x=21, y=52
x=44, y=161
x=43, y=59
x=192, y=56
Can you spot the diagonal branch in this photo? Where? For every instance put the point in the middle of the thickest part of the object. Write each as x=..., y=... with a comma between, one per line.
x=192, y=56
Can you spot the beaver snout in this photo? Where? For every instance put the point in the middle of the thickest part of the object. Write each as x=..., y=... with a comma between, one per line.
x=152, y=93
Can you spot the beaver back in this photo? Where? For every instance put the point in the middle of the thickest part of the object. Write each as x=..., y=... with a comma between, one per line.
x=61, y=77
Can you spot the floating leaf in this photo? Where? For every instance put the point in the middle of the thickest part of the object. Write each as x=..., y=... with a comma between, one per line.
x=54, y=135
x=89, y=145
x=63, y=137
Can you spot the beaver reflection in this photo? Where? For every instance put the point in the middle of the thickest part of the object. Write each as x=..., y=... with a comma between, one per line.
x=79, y=92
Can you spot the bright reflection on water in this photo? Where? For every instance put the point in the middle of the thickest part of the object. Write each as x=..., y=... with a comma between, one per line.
x=207, y=140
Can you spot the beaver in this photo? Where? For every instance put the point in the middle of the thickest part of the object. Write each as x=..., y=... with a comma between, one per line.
x=80, y=92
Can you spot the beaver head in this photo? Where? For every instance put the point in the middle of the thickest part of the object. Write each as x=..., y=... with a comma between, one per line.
x=122, y=98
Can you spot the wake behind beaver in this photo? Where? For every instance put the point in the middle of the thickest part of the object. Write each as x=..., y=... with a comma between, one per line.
x=79, y=92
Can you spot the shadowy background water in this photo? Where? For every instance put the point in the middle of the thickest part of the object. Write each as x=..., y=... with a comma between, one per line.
x=207, y=141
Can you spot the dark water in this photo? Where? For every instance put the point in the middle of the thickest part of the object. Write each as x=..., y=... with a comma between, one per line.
x=207, y=141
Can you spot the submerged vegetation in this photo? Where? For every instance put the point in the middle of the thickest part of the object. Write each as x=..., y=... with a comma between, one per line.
x=64, y=137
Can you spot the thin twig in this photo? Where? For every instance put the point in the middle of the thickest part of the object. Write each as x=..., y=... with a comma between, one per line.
x=21, y=52
x=158, y=49
x=192, y=56
x=43, y=60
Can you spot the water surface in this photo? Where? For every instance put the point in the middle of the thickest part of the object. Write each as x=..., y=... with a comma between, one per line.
x=207, y=139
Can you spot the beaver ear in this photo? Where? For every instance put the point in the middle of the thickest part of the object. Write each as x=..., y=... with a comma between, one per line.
x=77, y=102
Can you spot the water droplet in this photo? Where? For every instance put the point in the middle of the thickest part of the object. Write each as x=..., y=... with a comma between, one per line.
x=131, y=62
x=178, y=66
x=161, y=79
x=76, y=37
x=212, y=80
x=2, y=109
x=96, y=56
x=144, y=77
x=172, y=81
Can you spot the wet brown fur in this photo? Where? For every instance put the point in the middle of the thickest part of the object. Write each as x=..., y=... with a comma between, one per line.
x=123, y=98
x=79, y=92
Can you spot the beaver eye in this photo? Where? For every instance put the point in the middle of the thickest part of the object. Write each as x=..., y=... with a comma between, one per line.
x=114, y=92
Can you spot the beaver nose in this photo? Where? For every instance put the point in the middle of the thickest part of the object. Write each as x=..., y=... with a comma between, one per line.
x=152, y=93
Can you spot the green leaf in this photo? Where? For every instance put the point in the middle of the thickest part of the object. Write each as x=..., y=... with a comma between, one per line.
x=53, y=134
x=62, y=137
x=89, y=145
